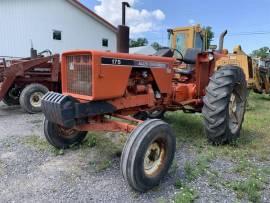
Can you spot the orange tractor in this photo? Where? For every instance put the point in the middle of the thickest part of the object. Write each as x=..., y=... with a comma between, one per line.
x=101, y=86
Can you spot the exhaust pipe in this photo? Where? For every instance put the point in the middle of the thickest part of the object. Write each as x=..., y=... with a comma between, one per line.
x=221, y=40
x=123, y=32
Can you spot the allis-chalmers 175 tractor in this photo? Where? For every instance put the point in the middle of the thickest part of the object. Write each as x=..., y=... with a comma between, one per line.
x=101, y=86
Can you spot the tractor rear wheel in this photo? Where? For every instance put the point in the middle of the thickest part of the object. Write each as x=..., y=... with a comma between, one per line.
x=61, y=137
x=224, y=105
x=30, y=98
x=148, y=154
x=12, y=97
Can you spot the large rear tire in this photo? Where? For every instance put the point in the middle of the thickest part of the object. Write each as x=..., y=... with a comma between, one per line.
x=61, y=137
x=224, y=105
x=30, y=98
x=148, y=154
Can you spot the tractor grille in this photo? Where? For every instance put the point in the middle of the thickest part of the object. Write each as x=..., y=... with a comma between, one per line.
x=79, y=74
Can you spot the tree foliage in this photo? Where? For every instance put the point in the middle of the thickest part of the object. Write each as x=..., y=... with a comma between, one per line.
x=261, y=53
x=138, y=42
x=210, y=35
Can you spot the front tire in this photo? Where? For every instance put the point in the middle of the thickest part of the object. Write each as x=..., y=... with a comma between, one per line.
x=148, y=154
x=30, y=98
x=61, y=137
x=224, y=105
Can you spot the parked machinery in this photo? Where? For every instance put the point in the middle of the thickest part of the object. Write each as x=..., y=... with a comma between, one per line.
x=237, y=58
x=25, y=80
x=182, y=38
x=262, y=75
x=100, y=86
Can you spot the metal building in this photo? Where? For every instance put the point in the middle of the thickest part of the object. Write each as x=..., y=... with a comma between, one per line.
x=58, y=25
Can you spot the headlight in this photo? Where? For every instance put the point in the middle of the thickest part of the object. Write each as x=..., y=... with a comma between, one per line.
x=210, y=57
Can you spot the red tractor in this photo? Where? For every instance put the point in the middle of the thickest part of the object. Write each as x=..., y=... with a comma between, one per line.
x=24, y=81
x=100, y=86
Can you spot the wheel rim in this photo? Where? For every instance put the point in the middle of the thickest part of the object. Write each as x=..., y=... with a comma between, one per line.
x=35, y=99
x=154, y=158
x=236, y=111
x=66, y=132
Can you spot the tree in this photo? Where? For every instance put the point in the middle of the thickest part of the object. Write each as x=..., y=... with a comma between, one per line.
x=261, y=53
x=156, y=45
x=138, y=42
x=210, y=35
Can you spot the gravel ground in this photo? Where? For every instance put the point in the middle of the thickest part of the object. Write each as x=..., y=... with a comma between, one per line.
x=35, y=174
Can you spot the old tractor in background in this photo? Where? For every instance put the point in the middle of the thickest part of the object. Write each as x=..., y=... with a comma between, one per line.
x=24, y=81
x=262, y=75
x=102, y=91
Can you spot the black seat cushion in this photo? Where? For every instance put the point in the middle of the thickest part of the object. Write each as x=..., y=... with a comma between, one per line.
x=185, y=71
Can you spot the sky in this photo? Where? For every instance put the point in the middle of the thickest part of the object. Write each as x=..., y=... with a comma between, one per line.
x=247, y=21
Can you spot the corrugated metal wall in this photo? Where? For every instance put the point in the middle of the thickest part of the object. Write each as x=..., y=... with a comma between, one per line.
x=23, y=21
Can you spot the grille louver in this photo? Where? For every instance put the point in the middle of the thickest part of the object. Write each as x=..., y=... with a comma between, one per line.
x=79, y=74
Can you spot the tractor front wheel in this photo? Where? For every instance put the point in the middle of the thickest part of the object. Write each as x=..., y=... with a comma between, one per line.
x=61, y=137
x=224, y=105
x=148, y=154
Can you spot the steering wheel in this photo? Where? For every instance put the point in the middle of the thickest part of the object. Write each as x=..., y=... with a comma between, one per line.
x=182, y=57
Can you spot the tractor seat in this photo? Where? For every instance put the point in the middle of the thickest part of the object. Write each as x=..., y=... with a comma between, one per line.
x=190, y=56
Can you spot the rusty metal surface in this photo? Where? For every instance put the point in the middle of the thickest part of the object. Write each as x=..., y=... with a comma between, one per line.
x=22, y=72
x=123, y=39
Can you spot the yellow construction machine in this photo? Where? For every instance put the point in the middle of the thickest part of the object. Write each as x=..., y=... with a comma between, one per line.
x=182, y=38
x=241, y=59
x=261, y=75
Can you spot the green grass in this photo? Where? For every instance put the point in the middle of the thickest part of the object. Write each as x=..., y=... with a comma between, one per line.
x=252, y=146
x=251, y=187
x=186, y=195
x=41, y=144
x=198, y=167
x=37, y=142
x=106, y=146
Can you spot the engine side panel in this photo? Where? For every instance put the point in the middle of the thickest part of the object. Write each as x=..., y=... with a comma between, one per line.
x=110, y=73
x=163, y=78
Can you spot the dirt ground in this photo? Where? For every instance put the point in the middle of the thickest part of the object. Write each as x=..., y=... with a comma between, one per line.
x=33, y=171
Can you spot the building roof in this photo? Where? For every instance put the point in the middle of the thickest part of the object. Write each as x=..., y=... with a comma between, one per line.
x=146, y=50
x=86, y=10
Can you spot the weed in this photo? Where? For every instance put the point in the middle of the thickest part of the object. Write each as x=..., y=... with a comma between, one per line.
x=178, y=184
x=100, y=165
x=91, y=140
x=36, y=142
x=251, y=187
x=186, y=195
x=199, y=167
